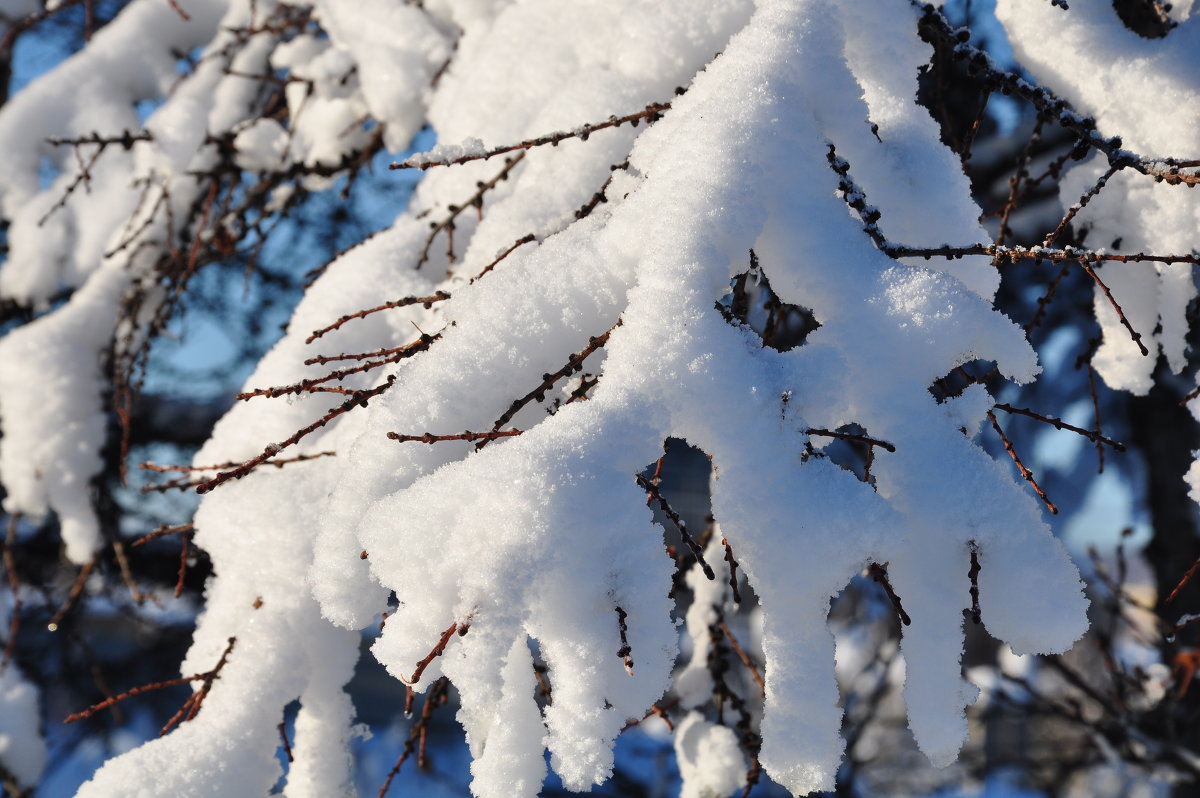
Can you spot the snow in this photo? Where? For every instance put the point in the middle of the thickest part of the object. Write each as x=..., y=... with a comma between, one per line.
x=710, y=761
x=22, y=749
x=539, y=539
x=1148, y=92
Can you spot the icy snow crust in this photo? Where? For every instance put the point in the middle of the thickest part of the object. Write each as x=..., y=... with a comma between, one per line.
x=537, y=539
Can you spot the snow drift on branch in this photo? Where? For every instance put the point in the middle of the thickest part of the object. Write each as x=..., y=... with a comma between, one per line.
x=492, y=545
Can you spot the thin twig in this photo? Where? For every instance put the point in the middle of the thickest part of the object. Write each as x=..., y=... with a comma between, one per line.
x=1025, y=472
x=695, y=548
x=1058, y=423
x=462, y=436
x=878, y=572
x=573, y=364
x=360, y=399
x=426, y=301
x=433, y=654
x=650, y=113
x=744, y=657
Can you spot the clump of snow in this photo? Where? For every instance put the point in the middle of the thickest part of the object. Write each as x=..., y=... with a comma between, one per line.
x=545, y=538
x=711, y=762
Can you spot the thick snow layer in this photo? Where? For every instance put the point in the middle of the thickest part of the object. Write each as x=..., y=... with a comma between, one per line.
x=544, y=540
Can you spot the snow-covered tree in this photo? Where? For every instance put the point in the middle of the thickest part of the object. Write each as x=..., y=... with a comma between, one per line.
x=716, y=222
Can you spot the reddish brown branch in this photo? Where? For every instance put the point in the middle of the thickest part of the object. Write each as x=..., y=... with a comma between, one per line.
x=126, y=570
x=733, y=566
x=744, y=657
x=1187, y=577
x=651, y=113
x=416, y=737
x=192, y=706
x=1025, y=472
x=186, y=482
x=186, y=539
x=1082, y=203
x=360, y=399
x=182, y=14
x=462, y=436
x=434, y=653
x=393, y=355
x=1058, y=423
x=426, y=301
x=973, y=575
x=207, y=677
x=697, y=551
x=73, y=595
x=14, y=587
x=287, y=746
x=879, y=574
x=520, y=241
x=476, y=201
x=573, y=364
x=625, y=652
x=849, y=436
x=658, y=709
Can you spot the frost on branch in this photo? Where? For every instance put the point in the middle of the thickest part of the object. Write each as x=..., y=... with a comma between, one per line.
x=605, y=250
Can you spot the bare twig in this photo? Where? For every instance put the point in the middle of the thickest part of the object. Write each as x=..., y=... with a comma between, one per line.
x=651, y=113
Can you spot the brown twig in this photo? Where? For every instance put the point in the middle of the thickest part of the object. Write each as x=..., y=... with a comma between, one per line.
x=388, y=356
x=695, y=548
x=1025, y=472
x=476, y=201
x=426, y=301
x=72, y=595
x=14, y=587
x=651, y=113
x=416, y=736
x=359, y=399
x=160, y=532
x=744, y=657
x=520, y=241
x=287, y=746
x=1187, y=577
x=1058, y=423
x=878, y=572
x=733, y=566
x=1082, y=203
x=392, y=354
x=434, y=653
x=462, y=436
x=973, y=575
x=186, y=539
x=192, y=706
x=965, y=156
x=186, y=482
x=573, y=364
x=182, y=14
x=207, y=677
x=625, y=652
x=850, y=436
x=123, y=566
